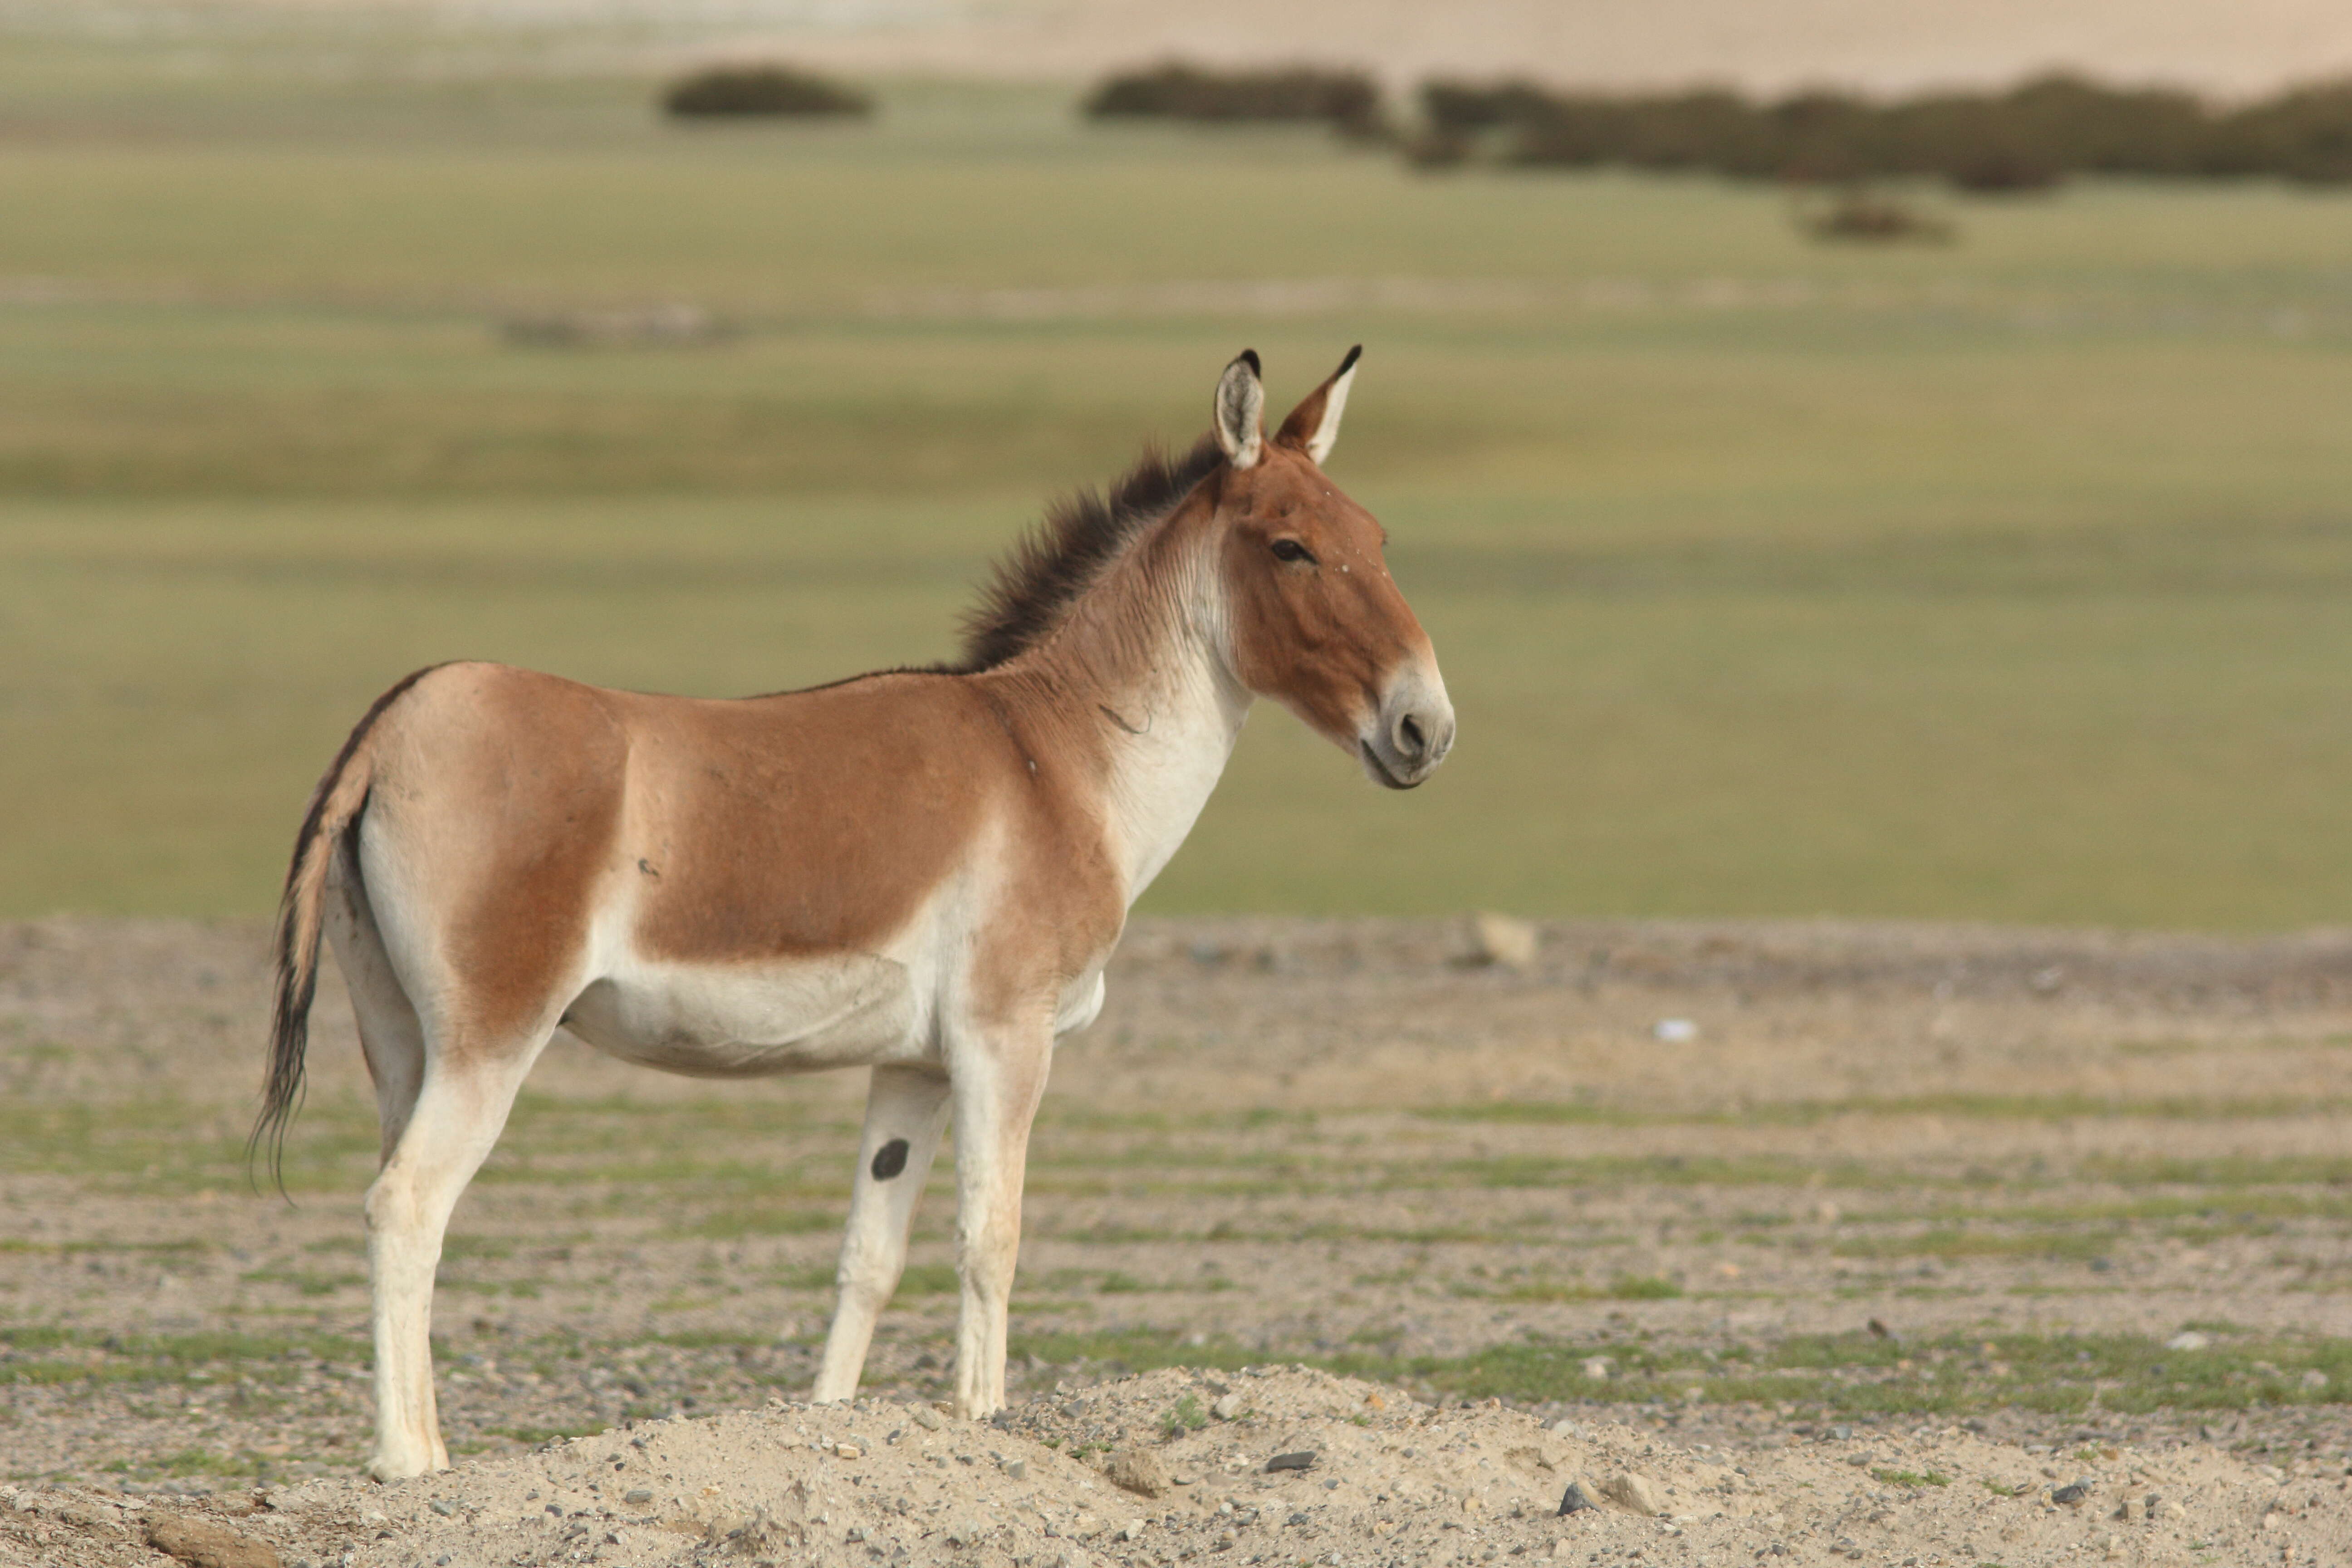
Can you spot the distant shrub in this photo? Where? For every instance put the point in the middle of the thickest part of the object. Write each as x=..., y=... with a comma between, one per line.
x=745, y=90
x=2027, y=137
x=1349, y=101
x=1463, y=109
x=1437, y=149
x=1873, y=217
x=2305, y=135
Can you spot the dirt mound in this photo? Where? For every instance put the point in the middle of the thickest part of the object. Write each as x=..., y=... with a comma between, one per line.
x=1269, y=1464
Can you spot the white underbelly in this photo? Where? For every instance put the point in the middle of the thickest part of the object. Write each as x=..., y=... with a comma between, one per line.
x=746, y=1020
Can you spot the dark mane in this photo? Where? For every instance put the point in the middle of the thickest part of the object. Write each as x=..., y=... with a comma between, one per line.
x=1035, y=581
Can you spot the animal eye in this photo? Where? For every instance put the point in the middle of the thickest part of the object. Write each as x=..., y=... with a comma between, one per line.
x=1291, y=550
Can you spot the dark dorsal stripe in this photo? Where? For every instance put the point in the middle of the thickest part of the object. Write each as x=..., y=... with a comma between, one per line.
x=1038, y=580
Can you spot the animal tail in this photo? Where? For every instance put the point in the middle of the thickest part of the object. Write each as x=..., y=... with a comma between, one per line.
x=335, y=807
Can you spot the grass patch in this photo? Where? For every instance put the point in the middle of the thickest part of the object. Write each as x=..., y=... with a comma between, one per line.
x=535, y=1435
x=161, y=1147
x=134, y=1249
x=1625, y=1288
x=191, y=1462
x=1910, y=1477
x=1950, y=1245
x=1184, y=1415
x=929, y=1280
x=60, y=1356
x=735, y=1224
x=1867, y=562
x=2228, y=1172
x=713, y=1339
x=1841, y=1375
x=1808, y=1113
x=306, y=1282
x=919, y=1279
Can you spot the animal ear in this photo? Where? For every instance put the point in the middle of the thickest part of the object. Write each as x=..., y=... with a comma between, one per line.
x=1313, y=427
x=1241, y=411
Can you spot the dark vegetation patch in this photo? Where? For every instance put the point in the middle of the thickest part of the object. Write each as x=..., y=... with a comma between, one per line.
x=1862, y=215
x=2026, y=138
x=741, y=92
x=1348, y=102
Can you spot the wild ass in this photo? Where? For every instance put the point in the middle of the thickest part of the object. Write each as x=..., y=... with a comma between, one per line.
x=920, y=871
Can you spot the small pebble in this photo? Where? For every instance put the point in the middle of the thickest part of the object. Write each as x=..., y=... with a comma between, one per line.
x=1576, y=1499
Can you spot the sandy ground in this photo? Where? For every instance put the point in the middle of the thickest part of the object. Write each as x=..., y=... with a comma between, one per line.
x=1370, y=1477
x=2226, y=46
x=2232, y=45
x=1284, y=1139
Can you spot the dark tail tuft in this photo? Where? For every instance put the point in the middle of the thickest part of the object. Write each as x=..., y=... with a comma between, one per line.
x=335, y=807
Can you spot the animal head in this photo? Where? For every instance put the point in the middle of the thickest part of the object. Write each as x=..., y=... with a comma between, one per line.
x=1314, y=619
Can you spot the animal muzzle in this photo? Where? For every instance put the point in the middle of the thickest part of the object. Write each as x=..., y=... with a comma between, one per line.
x=1412, y=732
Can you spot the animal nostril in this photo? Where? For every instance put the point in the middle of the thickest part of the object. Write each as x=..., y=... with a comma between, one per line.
x=1410, y=740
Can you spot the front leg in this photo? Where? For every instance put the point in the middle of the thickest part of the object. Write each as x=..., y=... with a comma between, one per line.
x=906, y=1112
x=997, y=1088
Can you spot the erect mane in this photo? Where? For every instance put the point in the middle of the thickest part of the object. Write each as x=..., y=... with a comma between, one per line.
x=1035, y=583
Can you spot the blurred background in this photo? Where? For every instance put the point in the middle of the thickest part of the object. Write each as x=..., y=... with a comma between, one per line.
x=1880, y=461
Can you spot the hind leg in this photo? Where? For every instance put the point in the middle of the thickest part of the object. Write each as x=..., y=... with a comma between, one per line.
x=906, y=1112
x=391, y=1037
x=451, y=1128
x=440, y=1111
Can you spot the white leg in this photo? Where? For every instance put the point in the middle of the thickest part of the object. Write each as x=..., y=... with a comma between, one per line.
x=456, y=1119
x=906, y=1112
x=996, y=1095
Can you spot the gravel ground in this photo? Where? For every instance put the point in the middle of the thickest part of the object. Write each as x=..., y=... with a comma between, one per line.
x=1659, y=1184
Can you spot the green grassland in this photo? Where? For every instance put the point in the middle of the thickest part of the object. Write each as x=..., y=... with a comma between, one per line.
x=2003, y=580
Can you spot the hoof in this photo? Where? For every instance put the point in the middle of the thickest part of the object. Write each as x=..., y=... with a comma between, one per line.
x=401, y=1466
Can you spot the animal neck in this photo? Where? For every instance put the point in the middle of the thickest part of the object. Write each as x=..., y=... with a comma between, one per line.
x=1139, y=670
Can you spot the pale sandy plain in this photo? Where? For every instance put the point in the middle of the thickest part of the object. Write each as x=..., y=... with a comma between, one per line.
x=2220, y=46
